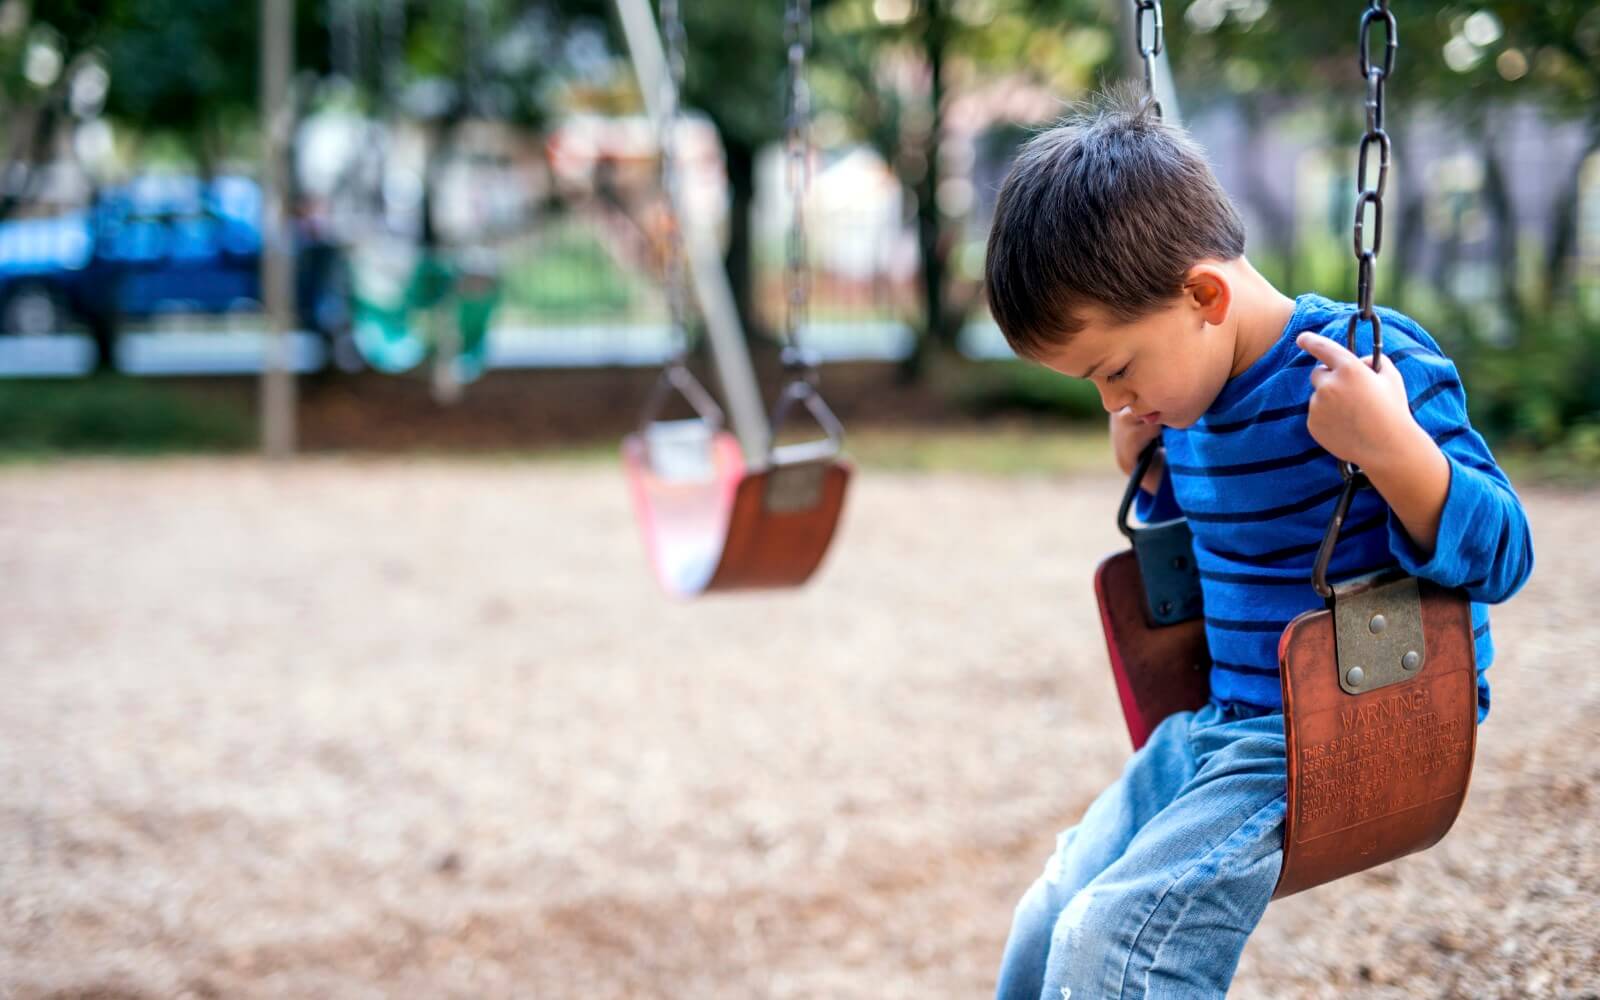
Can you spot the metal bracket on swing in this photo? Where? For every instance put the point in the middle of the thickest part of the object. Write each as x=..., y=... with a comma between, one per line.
x=796, y=471
x=680, y=449
x=1377, y=619
x=1165, y=552
x=1378, y=627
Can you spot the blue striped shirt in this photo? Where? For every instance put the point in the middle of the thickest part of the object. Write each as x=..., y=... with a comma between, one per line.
x=1258, y=492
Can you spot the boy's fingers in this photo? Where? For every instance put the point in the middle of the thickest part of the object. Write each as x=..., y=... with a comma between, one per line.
x=1329, y=352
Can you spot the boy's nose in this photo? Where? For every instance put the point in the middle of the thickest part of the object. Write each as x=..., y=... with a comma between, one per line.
x=1113, y=400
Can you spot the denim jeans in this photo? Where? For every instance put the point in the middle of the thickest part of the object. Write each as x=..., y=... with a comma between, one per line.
x=1155, y=890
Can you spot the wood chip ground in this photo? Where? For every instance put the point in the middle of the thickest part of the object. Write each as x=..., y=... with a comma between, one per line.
x=388, y=728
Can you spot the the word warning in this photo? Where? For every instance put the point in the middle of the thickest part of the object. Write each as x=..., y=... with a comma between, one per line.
x=1353, y=776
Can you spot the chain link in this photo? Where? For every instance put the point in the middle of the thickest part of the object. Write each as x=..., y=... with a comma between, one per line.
x=1369, y=193
x=797, y=178
x=675, y=376
x=674, y=39
x=1151, y=9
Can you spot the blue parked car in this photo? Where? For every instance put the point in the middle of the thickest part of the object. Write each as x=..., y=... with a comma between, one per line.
x=159, y=244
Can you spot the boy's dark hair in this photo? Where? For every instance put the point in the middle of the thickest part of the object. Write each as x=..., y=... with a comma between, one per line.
x=1110, y=207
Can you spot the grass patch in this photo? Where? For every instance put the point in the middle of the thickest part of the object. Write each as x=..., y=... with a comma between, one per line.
x=1005, y=450
x=998, y=387
x=1029, y=450
x=991, y=450
x=570, y=275
x=116, y=415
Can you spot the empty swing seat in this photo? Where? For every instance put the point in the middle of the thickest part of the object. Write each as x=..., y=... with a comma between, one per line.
x=711, y=524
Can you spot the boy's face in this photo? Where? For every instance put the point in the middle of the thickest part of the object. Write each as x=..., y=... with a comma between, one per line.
x=1166, y=367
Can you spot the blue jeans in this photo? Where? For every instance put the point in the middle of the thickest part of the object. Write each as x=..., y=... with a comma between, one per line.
x=1154, y=892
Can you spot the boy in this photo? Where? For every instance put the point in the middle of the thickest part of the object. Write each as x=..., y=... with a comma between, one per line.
x=1116, y=257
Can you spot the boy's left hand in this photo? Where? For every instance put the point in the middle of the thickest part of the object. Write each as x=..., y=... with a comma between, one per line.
x=1356, y=413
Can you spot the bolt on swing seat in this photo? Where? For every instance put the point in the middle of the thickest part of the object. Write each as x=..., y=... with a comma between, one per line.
x=1379, y=693
x=710, y=522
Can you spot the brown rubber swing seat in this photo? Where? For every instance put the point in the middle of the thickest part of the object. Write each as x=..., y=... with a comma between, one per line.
x=1372, y=776
x=725, y=527
x=1159, y=671
x=1381, y=774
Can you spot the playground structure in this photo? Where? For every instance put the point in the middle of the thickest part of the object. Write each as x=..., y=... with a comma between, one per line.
x=720, y=510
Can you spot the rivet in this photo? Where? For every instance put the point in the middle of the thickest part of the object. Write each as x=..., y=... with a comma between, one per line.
x=1355, y=676
x=1165, y=608
x=1179, y=562
x=1412, y=660
x=1378, y=624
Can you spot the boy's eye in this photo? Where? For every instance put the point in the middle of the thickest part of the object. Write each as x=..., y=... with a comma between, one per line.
x=1118, y=374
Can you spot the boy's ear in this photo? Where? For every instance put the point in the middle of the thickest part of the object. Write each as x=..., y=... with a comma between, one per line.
x=1210, y=292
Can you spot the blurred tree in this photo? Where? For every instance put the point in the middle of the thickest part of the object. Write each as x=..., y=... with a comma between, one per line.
x=737, y=74
x=447, y=63
x=42, y=54
x=189, y=70
x=184, y=69
x=1472, y=61
x=893, y=69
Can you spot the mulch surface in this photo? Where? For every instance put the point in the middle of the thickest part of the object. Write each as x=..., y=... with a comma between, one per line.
x=409, y=727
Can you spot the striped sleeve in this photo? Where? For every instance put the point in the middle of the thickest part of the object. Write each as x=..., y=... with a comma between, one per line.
x=1484, y=545
x=1162, y=505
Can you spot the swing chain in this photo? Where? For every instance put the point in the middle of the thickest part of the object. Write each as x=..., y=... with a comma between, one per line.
x=675, y=375
x=1148, y=53
x=800, y=365
x=674, y=39
x=1368, y=192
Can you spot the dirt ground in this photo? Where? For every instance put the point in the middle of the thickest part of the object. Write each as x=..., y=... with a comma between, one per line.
x=352, y=728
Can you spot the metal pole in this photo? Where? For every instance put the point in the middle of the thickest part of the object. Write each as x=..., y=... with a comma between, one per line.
x=734, y=369
x=277, y=394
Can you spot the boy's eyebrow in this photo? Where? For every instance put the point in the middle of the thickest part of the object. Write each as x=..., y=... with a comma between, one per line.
x=1092, y=369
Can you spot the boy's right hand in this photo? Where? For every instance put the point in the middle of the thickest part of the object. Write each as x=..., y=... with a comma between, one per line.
x=1128, y=438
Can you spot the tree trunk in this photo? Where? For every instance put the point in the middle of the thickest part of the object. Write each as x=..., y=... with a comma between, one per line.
x=934, y=335
x=1564, y=233
x=1497, y=198
x=739, y=260
x=35, y=149
x=1413, y=206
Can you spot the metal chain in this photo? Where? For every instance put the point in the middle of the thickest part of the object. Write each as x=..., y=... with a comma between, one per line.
x=1148, y=53
x=1368, y=192
x=797, y=179
x=800, y=390
x=674, y=38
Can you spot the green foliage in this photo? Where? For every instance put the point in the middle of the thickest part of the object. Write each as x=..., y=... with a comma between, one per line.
x=569, y=275
x=1021, y=387
x=113, y=414
x=1540, y=391
x=1450, y=51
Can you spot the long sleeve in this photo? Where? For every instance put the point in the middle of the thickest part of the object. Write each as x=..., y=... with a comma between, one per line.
x=1484, y=544
x=1152, y=508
